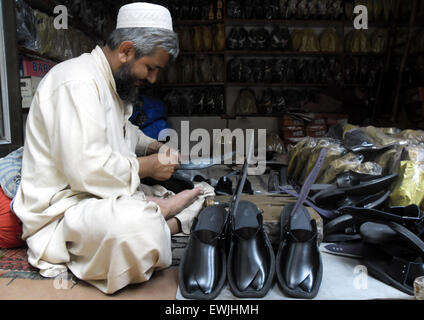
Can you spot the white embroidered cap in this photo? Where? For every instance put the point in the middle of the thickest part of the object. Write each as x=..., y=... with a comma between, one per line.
x=144, y=15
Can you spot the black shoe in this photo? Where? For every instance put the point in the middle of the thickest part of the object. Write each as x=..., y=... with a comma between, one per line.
x=280, y=38
x=258, y=9
x=232, y=40
x=234, y=9
x=268, y=71
x=258, y=70
x=248, y=9
x=265, y=104
x=203, y=268
x=299, y=264
x=251, y=260
x=262, y=38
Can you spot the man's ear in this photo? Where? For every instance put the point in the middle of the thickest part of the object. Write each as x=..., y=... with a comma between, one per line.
x=126, y=52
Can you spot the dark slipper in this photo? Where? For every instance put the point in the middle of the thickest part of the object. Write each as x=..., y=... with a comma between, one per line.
x=203, y=268
x=299, y=265
x=251, y=260
x=394, y=254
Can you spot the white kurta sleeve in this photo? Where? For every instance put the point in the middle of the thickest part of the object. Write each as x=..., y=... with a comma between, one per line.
x=79, y=143
x=143, y=142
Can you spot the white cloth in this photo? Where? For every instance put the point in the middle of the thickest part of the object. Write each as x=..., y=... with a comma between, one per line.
x=80, y=199
x=144, y=15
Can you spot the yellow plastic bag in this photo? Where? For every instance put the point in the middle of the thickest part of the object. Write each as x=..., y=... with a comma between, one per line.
x=379, y=40
x=329, y=40
x=309, y=42
x=348, y=162
x=409, y=188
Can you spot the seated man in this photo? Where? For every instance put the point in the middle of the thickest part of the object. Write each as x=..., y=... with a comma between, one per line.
x=80, y=198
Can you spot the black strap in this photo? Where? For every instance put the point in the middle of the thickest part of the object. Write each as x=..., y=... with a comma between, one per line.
x=309, y=181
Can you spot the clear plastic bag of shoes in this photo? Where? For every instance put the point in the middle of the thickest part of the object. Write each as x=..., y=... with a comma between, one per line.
x=246, y=102
x=409, y=188
x=299, y=157
x=309, y=42
x=349, y=161
x=329, y=40
x=334, y=151
x=274, y=143
x=379, y=40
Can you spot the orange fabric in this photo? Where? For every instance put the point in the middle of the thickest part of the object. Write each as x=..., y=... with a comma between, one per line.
x=10, y=225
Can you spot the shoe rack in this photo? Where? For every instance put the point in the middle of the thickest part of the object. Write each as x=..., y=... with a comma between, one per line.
x=231, y=89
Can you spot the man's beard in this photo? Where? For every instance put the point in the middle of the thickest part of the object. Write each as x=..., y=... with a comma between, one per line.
x=125, y=84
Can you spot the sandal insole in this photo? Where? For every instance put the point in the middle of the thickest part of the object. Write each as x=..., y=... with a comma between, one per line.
x=246, y=216
x=301, y=220
x=211, y=219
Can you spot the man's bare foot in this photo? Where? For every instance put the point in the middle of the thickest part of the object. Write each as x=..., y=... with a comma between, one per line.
x=172, y=206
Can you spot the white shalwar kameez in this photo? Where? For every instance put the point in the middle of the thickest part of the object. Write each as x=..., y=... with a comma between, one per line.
x=80, y=198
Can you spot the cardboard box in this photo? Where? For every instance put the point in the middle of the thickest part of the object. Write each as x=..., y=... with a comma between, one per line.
x=316, y=131
x=298, y=133
x=26, y=102
x=29, y=86
x=36, y=68
x=288, y=121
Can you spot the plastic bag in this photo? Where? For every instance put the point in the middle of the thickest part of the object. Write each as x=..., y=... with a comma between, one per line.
x=334, y=151
x=357, y=41
x=302, y=158
x=350, y=161
x=409, y=188
x=329, y=40
x=274, y=143
x=413, y=136
x=207, y=38
x=294, y=152
x=198, y=38
x=309, y=42
x=219, y=37
x=369, y=167
x=379, y=40
x=246, y=102
x=389, y=160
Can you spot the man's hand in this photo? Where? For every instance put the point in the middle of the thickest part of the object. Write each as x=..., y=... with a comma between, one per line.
x=159, y=166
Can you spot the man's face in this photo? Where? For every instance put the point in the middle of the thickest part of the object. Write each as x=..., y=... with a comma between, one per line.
x=135, y=73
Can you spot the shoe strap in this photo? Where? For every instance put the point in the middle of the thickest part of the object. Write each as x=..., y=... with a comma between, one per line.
x=304, y=192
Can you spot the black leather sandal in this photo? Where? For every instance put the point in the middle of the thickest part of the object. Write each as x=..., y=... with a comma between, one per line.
x=393, y=254
x=251, y=260
x=203, y=268
x=298, y=263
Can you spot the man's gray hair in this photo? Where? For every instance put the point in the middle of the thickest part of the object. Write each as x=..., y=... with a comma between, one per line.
x=146, y=40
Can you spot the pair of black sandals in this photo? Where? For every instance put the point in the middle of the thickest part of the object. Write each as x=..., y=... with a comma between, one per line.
x=233, y=245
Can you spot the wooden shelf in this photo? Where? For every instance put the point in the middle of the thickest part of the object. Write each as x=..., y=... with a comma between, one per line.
x=195, y=53
x=182, y=84
x=196, y=22
x=280, y=53
x=197, y=115
x=287, y=23
x=288, y=85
